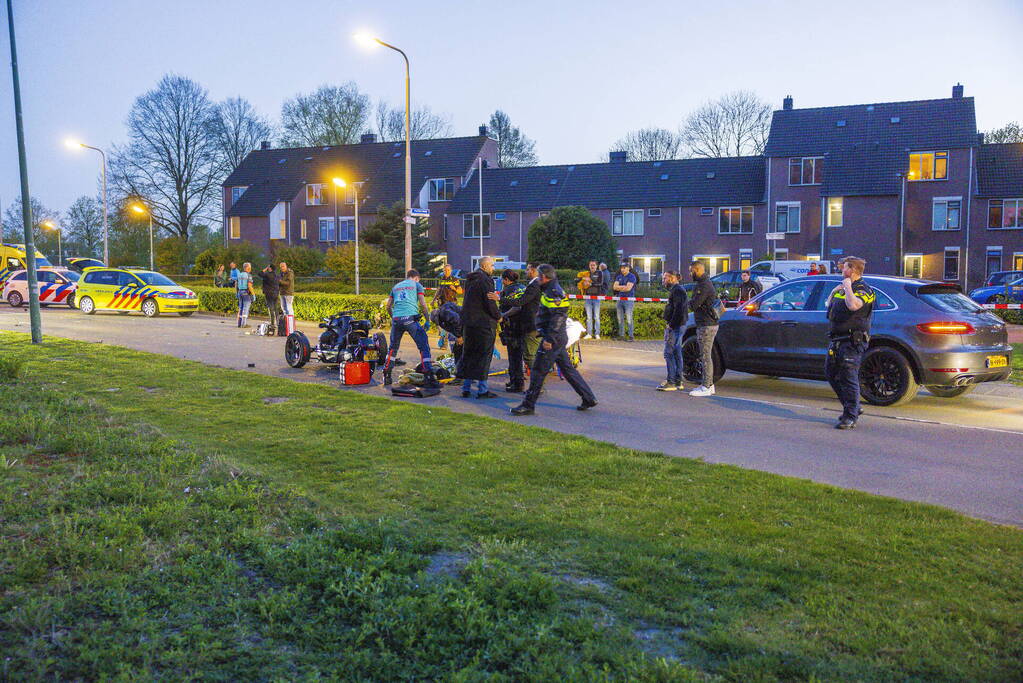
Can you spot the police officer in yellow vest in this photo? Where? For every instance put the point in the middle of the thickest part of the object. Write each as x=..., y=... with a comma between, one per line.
x=550, y=324
x=850, y=306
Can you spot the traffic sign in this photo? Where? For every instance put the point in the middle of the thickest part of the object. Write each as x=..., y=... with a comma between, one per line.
x=411, y=220
x=775, y=235
x=419, y=212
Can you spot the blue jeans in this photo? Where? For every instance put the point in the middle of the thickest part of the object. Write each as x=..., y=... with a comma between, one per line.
x=410, y=324
x=481, y=386
x=673, y=353
x=244, y=302
x=592, y=316
x=624, y=310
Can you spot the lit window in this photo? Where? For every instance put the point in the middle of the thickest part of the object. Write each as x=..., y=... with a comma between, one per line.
x=835, y=207
x=945, y=215
x=442, y=189
x=627, y=222
x=303, y=231
x=735, y=220
x=236, y=227
x=1005, y=213
x=745, y=258
x=314, y=194
x=787, y=216
x=472, y=224
x=951, y=263
x=928, y=166
x=806, y=170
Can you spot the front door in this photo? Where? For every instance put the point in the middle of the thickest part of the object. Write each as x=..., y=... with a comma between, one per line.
x=714, y=264
x=1017, y=261
x=914, y=266
x=650, y=267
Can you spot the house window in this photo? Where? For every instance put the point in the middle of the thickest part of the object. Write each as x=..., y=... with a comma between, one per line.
x=445, y=228
x=236, y=193
x=627, y=222
x=1005, y=214
x=472, y=223
x=236, y=227
x=745, y=258
x=544, y=214
x=442, y=189
x=913, y=265
x=653, y=213
x=707, y=211
x=347, y=232
x=326, y=229
x=303, y=230
x=734, y=220
x=951, y=263
x=499, y=216
x=928, y=166
x=806, y=170
x=835, y=207
x=314, y=194
x=945, y=214
x=993, y=264
x=787, y=217
x=781, y=254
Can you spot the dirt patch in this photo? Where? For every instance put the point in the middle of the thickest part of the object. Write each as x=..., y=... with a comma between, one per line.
x=661, y=642
x=150, y=390
x=586, y=582
x=447, y=564
x=274, y=400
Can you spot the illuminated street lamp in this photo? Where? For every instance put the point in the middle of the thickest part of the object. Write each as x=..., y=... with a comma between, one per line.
x=74, y=144
x=338, y=182
x=50, y=225
x=140, y=208
x=371, y=41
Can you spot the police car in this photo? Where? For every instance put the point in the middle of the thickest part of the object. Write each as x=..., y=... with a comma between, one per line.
x=125, y=290
x=56, y=286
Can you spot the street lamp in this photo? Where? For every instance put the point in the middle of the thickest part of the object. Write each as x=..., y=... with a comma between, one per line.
x=141, y=208
x=338, y=182
x=371, y=41
x=50, y=225
x=74, y=144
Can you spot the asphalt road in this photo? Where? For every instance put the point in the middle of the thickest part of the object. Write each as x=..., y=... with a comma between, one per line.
x=964, y=453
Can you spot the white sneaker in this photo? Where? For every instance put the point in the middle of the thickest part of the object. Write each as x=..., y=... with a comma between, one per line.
x=596, y=337
x=587, y=336
x=702, y=391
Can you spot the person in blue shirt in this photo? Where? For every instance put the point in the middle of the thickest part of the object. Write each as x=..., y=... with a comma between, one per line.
x=406, y=301
x=625, y=286
x=243, y=290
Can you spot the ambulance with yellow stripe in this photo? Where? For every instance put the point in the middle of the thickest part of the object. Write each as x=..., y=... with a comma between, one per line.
x=125, y=290
x=12, y=258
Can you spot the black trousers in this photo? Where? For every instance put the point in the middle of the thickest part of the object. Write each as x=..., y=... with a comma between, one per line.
x=274, y=309
x=843, y=370
x=543, y=363
x=516, y=354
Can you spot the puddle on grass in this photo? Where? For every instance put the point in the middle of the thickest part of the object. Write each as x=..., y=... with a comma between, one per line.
x=274, y=400
x=447, y=564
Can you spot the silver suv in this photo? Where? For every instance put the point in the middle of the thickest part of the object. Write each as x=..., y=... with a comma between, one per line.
x=923, y=333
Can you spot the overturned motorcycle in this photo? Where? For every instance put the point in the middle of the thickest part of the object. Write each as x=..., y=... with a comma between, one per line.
x=344, y=339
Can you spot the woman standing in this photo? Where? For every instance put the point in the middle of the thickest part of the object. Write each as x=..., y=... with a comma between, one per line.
x=243, y=287
x=220, y=277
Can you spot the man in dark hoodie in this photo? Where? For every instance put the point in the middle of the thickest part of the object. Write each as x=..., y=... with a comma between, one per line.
x=675, y=313
x=705, y=306
x=512, y=337
x=479, y=323
x=550, y=323
x=271, y=291
x=519, y=322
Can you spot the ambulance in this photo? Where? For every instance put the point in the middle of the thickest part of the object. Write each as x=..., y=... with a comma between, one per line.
x=12, y=258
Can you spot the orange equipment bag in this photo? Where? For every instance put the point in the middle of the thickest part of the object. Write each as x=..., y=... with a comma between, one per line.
x=354, y=372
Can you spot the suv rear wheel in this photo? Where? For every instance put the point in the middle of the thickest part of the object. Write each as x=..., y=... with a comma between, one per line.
x=692, y=366
x=15, y=299
x=87, y=305
x=886, y=377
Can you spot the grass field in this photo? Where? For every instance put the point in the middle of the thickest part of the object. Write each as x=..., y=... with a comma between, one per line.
x=161, y=518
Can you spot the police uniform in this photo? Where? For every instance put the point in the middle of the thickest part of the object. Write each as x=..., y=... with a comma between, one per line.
x=513, y=335
x=849, y=335
x=550, y=323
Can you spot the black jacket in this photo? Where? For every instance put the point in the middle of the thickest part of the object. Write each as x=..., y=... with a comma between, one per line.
x=553, y=314
x=748, y=290
x=271, y=284
x=449, y=318
x=597, y=285
x=704, y=299
x=510, y=303
x=676, y=311
x=526, y=309
x=477, y=309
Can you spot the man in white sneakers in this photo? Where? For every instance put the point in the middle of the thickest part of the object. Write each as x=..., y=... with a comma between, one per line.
x=705, y=306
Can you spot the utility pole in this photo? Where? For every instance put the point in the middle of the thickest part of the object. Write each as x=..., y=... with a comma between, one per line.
x=26, y=198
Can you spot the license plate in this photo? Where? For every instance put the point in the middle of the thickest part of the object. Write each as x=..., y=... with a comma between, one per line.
x=371, y=355
x=997, y=361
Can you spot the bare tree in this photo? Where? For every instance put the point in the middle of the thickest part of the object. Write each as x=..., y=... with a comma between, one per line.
x=735, y=124
x=333, y=115
x=14, y=224
x=424, y=124
x=172, y=161
x=650, y=144
x=513, y=148
x=1010, y=132
x=84, y=224
x=239, y=130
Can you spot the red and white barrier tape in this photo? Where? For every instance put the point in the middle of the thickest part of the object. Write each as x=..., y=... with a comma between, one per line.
x=617, y=298
x=1003, y=307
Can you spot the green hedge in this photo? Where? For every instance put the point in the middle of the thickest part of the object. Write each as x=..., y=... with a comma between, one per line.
x=314, y=306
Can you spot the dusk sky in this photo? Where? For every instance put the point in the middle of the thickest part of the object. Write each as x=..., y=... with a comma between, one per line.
x=574, y=76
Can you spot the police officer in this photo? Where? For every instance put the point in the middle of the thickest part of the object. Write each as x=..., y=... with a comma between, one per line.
x=512, y=335
x=850, y=306
x=550, y=324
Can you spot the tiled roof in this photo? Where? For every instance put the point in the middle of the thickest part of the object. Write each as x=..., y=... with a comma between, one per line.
x=274, y=175
x=621, y=185
x=1000, y=170
x=864, y=170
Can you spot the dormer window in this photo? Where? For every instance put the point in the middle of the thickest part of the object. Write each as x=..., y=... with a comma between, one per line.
x=442, y=189
x=236, y=193
x=928, y=166
x=806, y=170
x=314, y=194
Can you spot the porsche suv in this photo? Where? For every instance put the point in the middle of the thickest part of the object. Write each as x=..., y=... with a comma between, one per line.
x=923, y=333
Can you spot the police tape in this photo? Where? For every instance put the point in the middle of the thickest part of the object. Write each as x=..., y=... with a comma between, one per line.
x=617, y=298
x=1003, y=307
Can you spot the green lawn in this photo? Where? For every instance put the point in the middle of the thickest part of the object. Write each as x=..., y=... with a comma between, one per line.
x=161, y=518
x=1017, y=367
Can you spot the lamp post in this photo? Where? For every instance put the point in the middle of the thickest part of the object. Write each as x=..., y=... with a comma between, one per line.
x=53, y=226
x=338, y=182
x=141, y=208
x=371, y=41
x=73, y=144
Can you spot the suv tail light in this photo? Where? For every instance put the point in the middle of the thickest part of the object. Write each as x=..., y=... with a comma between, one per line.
x=946, y=328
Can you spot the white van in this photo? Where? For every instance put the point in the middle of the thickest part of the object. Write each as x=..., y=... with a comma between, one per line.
x=790, y=269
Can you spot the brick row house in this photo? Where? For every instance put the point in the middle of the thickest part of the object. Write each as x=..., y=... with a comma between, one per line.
x=910, y=186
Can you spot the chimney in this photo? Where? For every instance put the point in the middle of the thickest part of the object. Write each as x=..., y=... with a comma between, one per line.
x=265, y=144
x=787, y=102
x=483, y=131
x=957, y=91
x=618, y=157
x=368, y=138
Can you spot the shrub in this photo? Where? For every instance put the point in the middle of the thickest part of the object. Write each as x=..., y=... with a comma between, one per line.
x=303, y=260
x=373, y=262
x=240, y=252
x=171, y=255
x=569, y=237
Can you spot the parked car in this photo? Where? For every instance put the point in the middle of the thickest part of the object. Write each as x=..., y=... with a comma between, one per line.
x=923, y=333
x=727, y=283
x=125, y=290
x=790, y=269
x=989, y=294
x=80, y=263
x=56, y=286
x=1002, y=276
